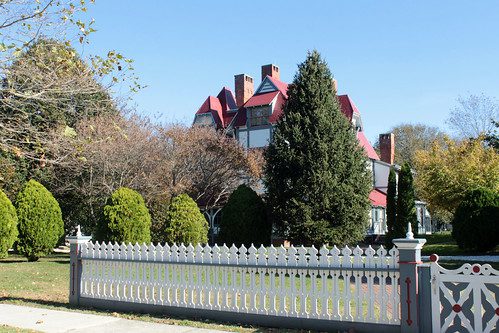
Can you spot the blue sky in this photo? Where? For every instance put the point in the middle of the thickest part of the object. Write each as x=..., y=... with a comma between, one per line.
x=400, y=61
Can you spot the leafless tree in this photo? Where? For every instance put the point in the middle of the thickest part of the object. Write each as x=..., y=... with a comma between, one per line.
x=473, y=116
x=111, y=151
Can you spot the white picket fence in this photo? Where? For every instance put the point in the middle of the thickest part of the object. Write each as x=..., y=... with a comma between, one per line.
x=333, y=284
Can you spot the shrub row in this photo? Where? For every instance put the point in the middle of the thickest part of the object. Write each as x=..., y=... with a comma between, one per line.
x=35, y=225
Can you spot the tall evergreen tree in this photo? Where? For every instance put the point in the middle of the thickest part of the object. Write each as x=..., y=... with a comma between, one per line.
x=406, y=207
x=391, y=207
x=316, y=176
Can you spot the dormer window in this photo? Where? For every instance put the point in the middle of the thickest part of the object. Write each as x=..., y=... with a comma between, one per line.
x=357, y=122
x=259, y=116
x=205, y=119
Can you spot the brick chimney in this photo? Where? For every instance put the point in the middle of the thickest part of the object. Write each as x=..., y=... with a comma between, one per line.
x=270, y=70
x=387, y=147
x=244, y=88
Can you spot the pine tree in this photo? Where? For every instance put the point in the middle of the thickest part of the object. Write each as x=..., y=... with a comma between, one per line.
x=316, y=176
x=391, y=207
x=244, y=219
x=406, y=207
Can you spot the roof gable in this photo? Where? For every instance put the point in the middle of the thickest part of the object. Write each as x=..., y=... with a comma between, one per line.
x=227, y=99
x=266, y=86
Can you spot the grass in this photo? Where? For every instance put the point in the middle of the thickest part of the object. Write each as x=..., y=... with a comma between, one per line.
x=46, y=284
x=443, y=244
x=9, y=329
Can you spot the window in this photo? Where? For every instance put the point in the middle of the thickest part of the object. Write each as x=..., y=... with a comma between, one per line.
x=259, y=116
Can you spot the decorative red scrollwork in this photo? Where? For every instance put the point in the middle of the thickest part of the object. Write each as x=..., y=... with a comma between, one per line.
x=476, y=269
x=434, y=257
x=408, y=283
x=456, y=308
x=497, y=311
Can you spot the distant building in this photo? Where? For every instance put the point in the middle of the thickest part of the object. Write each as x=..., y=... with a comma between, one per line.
x=250, y=116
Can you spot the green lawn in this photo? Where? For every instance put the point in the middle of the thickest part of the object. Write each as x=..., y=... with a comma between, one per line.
x=443, y=244
x=46, y=284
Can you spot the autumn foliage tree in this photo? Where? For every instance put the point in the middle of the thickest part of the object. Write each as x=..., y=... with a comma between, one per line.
x=112, y=151
x=410, y=138
x=445, y=173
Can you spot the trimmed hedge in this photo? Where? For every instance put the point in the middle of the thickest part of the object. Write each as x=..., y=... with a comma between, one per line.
x=476, y=225
x=8, y=224
x=125, y=218
x=184, y=222
x=40, y=221
x=244, y=219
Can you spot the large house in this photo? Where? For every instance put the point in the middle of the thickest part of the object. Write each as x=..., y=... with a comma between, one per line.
x=250, y=117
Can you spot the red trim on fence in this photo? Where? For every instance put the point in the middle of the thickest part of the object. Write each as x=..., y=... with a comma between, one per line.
x=476, y=269
x=410, y=262
x=408, y=283
x=434, y=257
x=456, y=308
x=497, y=311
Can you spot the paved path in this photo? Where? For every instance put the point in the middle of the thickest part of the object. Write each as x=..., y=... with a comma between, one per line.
x=54, y=321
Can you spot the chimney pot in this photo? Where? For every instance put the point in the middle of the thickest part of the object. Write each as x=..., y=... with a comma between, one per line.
x=270, y=70
x=244, y=88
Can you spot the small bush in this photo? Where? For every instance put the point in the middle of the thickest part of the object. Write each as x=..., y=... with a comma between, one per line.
x=244, y=219
x=475, y=225
x=125, y=218
x=40, y=221
x=8, y=224
x=184, y=222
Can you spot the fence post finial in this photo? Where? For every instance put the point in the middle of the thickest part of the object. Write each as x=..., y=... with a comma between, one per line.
x=75, y=243
x=409, y=234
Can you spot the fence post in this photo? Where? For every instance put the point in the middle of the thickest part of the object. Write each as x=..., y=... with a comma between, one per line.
x=75, y=265
x=424, y=299
x=409, y=258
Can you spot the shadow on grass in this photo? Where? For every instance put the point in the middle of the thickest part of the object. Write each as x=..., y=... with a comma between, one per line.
x=25, y=301
x=152, y=317
x=19, y=261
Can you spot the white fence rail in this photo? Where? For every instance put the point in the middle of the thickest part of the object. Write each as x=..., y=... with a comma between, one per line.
x=333, y=284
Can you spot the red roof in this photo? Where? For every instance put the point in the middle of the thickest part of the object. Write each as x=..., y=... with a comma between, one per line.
x=364, y=143
x=219, y=107
x=377, y=198
x=347, y=106
x=261, y=99
x=226, y=99
x=283, y=87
